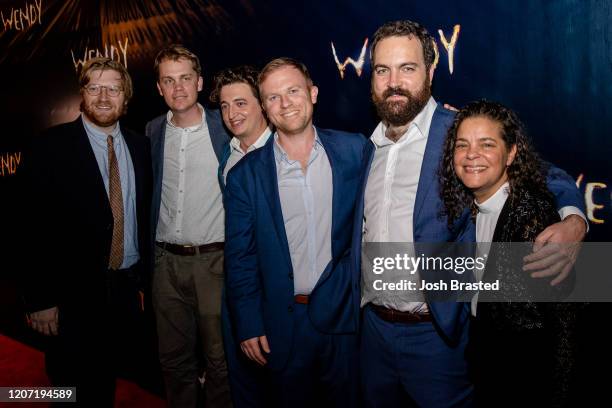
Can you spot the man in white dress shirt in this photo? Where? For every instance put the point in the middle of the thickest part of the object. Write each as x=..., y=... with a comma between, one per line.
x=187, y=226
x=413, y=351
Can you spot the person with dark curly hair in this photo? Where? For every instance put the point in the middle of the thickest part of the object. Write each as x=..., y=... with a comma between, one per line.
x=521, y=352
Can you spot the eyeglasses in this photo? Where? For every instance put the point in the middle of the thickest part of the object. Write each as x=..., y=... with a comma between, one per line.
x=95, y=90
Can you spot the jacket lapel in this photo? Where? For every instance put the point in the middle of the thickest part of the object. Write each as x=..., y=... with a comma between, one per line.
x=227, y=151
x=157, y=153
x=218, y=135
x=330, y=147
x=269, y=185
x=368, y=157
x=429, y=167
x=91, y=176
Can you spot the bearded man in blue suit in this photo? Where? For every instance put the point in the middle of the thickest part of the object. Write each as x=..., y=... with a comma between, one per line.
x=289, y=213
x=414, y=351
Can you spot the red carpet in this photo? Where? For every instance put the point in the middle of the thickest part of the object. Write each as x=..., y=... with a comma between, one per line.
x=24, y=366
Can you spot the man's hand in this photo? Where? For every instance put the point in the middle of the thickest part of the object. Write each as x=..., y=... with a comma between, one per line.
x=556, y=249
x=252, y=348
x=45, y=321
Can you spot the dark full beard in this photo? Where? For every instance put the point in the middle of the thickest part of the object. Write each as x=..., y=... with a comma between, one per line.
x=399, y=113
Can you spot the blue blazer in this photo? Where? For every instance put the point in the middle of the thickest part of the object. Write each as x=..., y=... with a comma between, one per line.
x=259, y=274
x=450, y=318
x=156, y=131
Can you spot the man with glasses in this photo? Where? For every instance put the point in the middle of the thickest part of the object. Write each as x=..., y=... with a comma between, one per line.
x=188, y=230
x=90, y=181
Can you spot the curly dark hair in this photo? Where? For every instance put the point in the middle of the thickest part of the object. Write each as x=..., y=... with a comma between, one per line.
x=244, y=73
x=527, y=171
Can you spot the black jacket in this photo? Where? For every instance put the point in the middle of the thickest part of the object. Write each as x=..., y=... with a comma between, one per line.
x=69, y=219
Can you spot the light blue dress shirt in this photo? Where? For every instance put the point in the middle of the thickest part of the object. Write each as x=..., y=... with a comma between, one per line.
x=306, y=202
x=97, y=139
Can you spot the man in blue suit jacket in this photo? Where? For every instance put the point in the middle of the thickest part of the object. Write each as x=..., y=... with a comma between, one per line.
x=289, y=212
x=237, y=94
x=415, y=350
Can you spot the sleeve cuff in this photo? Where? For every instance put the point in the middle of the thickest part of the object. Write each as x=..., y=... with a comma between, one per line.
x=571, y=210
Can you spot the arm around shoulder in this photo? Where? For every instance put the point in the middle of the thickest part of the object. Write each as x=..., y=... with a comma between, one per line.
x=563, y=186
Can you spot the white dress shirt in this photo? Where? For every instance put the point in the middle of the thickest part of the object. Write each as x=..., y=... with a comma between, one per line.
x=391, y=193
x=237, y=153
x=486, y=220
x=191, y=211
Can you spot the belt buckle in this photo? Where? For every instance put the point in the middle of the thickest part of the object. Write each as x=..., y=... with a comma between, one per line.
x=191, y=249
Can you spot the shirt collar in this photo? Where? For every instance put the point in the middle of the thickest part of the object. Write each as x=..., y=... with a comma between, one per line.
x=263, y=138
x=281, y=155
x=193, y=128
x=422, y=122
x=496, y=202
x=96, y=132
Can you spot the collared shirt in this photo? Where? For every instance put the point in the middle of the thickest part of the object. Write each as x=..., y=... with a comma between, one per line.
x=98, y=141
x=191, y=210
x=486, y=220
x=488, y=214
x=391, y=194
x=306, y=202
x=237, y=153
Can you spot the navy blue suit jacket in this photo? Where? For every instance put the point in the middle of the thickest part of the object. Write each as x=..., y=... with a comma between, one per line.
x=259, y=274
x=156, y=131
x=428, y=225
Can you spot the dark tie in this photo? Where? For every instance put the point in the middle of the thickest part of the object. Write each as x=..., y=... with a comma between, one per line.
x=116, y=202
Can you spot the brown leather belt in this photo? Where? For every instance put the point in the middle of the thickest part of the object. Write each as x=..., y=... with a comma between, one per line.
x=301, y=299
x=190, y=250
x=395, y=316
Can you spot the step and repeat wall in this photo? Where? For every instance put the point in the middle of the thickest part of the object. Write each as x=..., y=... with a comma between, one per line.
x=549, y=61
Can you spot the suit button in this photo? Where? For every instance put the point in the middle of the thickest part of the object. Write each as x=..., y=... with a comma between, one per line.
x=291, y=276
x=290, y=308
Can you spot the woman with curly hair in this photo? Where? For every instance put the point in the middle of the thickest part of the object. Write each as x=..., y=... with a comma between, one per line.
x=521, y=352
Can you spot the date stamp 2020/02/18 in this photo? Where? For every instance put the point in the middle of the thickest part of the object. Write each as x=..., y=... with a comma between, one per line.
x=34, y=394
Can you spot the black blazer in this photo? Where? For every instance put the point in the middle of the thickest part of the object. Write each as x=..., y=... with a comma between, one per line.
x=521, y=220
x=70, y=220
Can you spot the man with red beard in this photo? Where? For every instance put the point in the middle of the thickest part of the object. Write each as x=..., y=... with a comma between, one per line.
x=91, y=182
x=413, y=349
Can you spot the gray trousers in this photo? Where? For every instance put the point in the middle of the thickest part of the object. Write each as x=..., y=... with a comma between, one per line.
x=187, y=302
